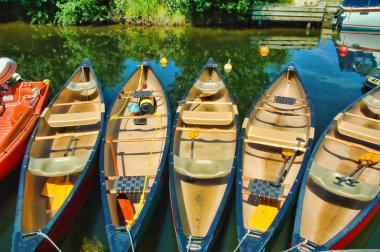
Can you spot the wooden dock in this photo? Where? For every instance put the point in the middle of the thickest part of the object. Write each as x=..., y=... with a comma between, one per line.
x=317, y=13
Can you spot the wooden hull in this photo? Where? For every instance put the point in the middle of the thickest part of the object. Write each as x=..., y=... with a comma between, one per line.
x=269, y=138
x=50, y=191
x=134, y=151
x=202, y=170
x=18, y=121
x=339, y=193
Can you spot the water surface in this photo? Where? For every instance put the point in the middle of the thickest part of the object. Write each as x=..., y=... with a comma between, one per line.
x=55, y=52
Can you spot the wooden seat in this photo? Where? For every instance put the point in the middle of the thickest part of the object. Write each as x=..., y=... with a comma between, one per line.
x=209, y=87
x=72, y=119
x=207, y=118
x=60, y=166
x=326, y=179
x=275, y=137
x=202, y=169
x=359, y=132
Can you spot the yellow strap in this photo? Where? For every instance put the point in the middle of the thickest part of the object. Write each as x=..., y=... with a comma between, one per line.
x=117, y=115
x=142, y=198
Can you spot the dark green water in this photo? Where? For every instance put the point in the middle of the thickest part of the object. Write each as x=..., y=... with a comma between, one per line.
x=55, y=52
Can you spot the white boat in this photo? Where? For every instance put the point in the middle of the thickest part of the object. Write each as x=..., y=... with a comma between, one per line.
x=359, y=15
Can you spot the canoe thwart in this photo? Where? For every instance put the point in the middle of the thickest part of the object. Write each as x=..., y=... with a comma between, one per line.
x=135, y=140
x=351, y=144
x=207, y=118
x=209, y=102
x=362, y=117
x=59, y=166
x=206, y=130
x=327, y=179
x=280, y=111
x=202, y=169
x=74, y=103
x=277, y=138
x=73, y=134
x=142, y=116
x=72, y=119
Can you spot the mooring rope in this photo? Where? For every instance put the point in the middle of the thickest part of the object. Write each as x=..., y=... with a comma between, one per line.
x=130, y=238
x=297, y=246
x=47, y=238
x=245, y=236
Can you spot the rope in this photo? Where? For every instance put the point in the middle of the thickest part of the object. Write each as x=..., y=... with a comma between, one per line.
x=297, y=246
x=116, y=116
x=245, y=236
x=130, y=239
x=47, y=238
x=188, y=244
x=142, y=198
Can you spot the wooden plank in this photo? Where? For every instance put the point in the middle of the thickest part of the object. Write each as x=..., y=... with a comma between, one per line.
x=312, y=43
x=214, y=130
x=135, y=140
x=75, y=103
x=285, y=8
x=290, y=19
x=119, y=177
x=291, y=38
x=362, y=117
x=247, y=140
x=351, y=144
x=142, y=116
x=74, y=134
x=288, y=14
x=286, y=112
x=208, y=102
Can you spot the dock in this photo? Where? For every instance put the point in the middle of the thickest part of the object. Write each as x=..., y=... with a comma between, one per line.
x=318, y=13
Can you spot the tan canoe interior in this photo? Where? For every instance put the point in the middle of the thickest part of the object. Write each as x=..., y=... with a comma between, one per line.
x=60, y=150
x=280, y=117
x=329, y=206
x=203, y=164
x=136, y=149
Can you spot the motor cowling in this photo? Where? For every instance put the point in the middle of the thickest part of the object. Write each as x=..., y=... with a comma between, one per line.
x=7, y=69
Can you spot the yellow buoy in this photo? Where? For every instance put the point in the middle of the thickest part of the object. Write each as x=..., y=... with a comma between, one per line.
x=47, y=81
x=163, y=60
x=264, y=51
x=228, y=66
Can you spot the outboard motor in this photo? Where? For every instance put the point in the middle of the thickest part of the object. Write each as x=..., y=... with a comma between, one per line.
x=7, y=70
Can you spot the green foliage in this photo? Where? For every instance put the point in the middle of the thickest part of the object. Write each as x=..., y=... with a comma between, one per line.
x=81, y=12
x=92, y=246
x=38, y=11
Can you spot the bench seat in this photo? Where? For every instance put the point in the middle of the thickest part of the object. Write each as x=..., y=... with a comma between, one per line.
x=73, y=119
x=207, y=118
x=359, y=132
x=325, y=178
x=275, y=137
x=59, y=166
x=82, y=86
x=202, y=169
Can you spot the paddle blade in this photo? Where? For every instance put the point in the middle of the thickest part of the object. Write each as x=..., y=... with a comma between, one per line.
x=287, y=152
x=192, y=134
x=371, y=158
x=61, y=192
x=49, y=186
x=263, y=217
x=126, y=208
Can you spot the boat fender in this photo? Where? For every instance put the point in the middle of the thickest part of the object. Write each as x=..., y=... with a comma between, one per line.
x=147, y=105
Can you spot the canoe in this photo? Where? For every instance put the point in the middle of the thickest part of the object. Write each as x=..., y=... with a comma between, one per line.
x=58, y=167
x=24, y=103
x=133, y=156
x=340, y=190
x=202, y=159
x=276, y=140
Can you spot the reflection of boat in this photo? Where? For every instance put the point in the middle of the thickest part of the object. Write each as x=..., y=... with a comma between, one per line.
x=340, y=190
x=203, y=159
x=133, y=157
x=57, y=170
x=359, y=15
x=372, y=81
x=23, y=105
x=363, y=52
x=277, y=139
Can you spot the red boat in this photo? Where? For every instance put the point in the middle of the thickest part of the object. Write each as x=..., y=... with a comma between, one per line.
x=20, y=108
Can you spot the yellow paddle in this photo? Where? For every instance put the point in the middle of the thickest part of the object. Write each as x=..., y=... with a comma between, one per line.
x=192, y=135
x=367, y=159
x=61, y=191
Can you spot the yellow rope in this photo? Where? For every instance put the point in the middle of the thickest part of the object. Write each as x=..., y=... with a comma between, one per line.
x=117, y=115
x=142, y=199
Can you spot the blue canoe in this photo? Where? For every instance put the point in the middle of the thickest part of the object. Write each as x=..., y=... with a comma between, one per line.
x=340, y=190
x=275, y=143
x=58, y=168
x=202, y=159
x=133, y=156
